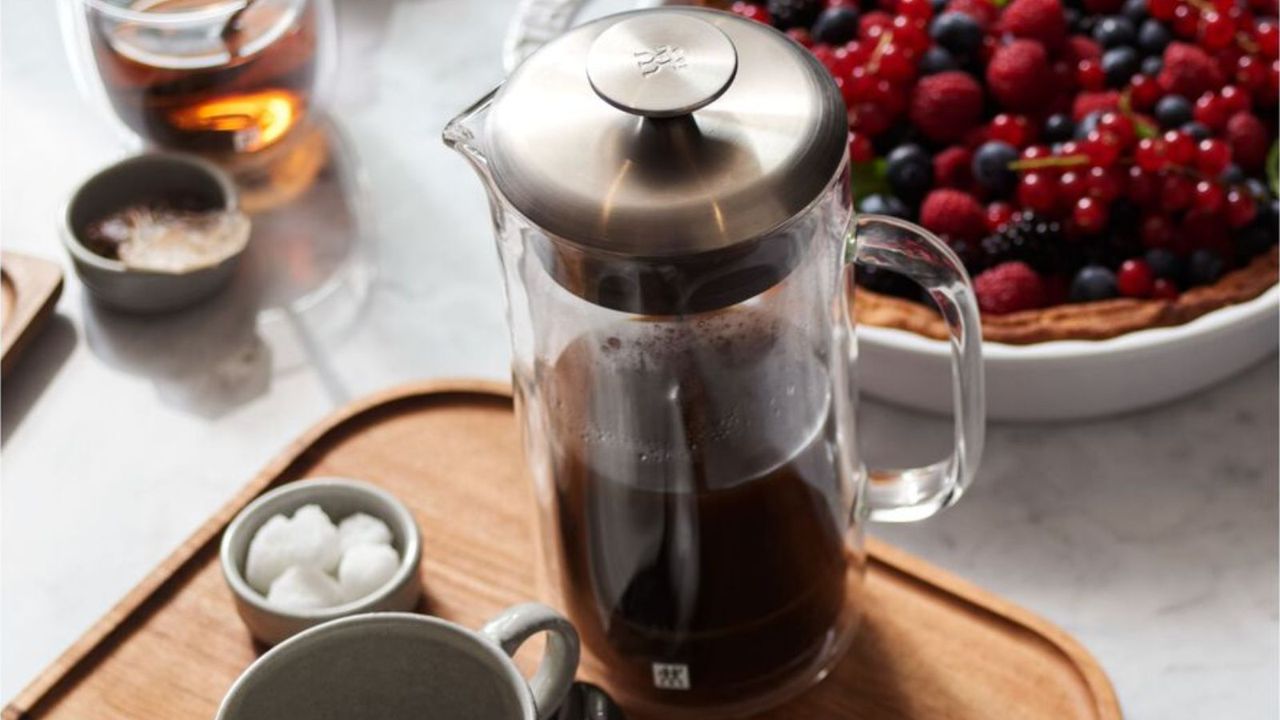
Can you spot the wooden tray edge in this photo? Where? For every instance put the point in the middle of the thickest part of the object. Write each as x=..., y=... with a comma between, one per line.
x=37, y=286
x=891, y=558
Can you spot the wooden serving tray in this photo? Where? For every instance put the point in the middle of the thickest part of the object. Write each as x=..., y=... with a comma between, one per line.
x=931, y=645
x=29, y=287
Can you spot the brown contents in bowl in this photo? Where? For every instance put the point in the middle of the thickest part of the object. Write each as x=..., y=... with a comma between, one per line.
x=165, y=239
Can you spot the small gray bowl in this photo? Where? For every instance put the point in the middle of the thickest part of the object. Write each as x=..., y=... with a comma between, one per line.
x=146, y=178
x=338, y=498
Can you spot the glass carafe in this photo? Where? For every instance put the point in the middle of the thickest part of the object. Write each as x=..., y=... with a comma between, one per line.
x=670, y=193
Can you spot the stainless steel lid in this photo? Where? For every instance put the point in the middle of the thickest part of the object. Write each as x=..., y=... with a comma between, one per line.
x=668, y=133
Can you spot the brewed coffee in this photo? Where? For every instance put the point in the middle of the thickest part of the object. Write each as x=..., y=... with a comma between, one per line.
x=701, y=512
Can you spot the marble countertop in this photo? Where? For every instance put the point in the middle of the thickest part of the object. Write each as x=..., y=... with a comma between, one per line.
x=1151, y=537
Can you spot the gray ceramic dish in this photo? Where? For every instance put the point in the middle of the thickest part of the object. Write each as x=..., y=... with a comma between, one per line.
x=338, y=498
x=145, y=178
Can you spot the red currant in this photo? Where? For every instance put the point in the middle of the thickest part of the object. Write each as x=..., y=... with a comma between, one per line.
x=1176, y=191
x=1135, y=279
x=1268, y=36
x=1180, y=148
x=1250, y=73
x=1186, y=21
x=1210, y=110
x=1089, y=215
x=1101, y=148
x=1163, y=289
x=1089, y=74
x=895, y=66
x=1157, y=231
x=1144, y=92
x=1119, y=126
x=1073, y=185
x=999, y=214
x=1038, y=191
x=1013, y=129
x=1209, y=197
x=751, y=11
x=1214, y=157
x=1240, y=208
x=1233, y=99
x=870, y=118
x=1151, y=155
x=910, y=33
x=1216, y=30
x=1102, y=184
x=860, y=149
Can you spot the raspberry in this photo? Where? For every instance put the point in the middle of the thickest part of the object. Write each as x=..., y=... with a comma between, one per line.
x=1080, y=47
x=954, y=214
x=1248, y=139
x=1087, y=103
x=1019, y=75
x=1008, y=288
x=1188, y=71
x=951, y=168
x=982, y=11
x=1039, y=20
x=946, y=106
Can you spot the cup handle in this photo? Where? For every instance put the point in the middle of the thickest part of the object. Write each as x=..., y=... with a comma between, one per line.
x=893, y=244
x=559, y=663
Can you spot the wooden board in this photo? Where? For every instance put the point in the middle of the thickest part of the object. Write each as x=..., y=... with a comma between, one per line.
x=931, y=645
x=30, y=287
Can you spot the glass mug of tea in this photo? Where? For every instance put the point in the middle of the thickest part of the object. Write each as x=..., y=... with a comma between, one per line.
x=216, y=77
x=671, y=197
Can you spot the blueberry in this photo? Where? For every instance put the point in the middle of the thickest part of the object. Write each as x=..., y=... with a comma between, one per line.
x=991, y=166
x=1231, y=174
x=1115, y=31
x=836, y=25
x=936, y=60
x=957, y=32
x=1173, y=111
x=1164, y=264
x=1198, y=131
x=1153, y=36
x=1204, y=267
x=1059, y=128
x=1151, y=66
x=1135, y=11
x=939, y=6
x=1093, y=282
x=787, y=14
x=1120, y=65
x=1087, y=124
x=909, y=170
x=1086, y=24
x=1255, y=240
x=1258, y=190
x=885, y=282
x=884, y=205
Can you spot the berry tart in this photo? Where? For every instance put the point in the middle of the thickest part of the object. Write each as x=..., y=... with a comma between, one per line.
x=1100, y=166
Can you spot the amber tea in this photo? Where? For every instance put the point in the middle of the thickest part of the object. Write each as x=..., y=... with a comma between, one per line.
x=184, y=75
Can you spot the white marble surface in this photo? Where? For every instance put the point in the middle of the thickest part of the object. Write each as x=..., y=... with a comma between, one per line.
x=1151, y=537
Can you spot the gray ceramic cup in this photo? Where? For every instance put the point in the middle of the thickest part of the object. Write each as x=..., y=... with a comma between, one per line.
x=145, y=178
x=401, y=666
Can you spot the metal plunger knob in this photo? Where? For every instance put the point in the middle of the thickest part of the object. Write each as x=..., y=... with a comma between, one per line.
x=661, y=66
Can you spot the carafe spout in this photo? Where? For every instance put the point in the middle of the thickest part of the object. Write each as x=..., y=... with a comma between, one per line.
x=464, y=134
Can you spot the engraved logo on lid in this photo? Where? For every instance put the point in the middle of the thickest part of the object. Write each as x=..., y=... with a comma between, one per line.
x=669, y=57
x=671, y=676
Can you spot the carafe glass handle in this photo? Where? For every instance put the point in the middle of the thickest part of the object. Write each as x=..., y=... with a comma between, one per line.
x=900, y=246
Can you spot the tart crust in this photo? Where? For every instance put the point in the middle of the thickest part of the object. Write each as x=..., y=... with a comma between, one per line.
x=1080, y=321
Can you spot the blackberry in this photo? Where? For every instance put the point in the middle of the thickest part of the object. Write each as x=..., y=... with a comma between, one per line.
x=787, y=14
x=1033, y=240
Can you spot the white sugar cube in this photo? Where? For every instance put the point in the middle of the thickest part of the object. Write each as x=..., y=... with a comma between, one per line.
x=362, y=529
x=302, y=587
x=308, y=539
x=365, y=569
